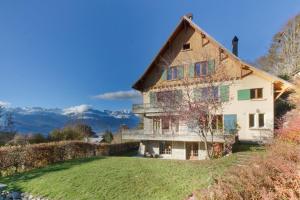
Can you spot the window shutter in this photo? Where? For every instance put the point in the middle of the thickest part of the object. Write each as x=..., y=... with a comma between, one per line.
x=230, y=123
x=224, y=92
x=211, y=66
x=244, y=94
x=191, y=70
x=152, y=96
x=169, y=73
x=178, y=95
x=164, y=73
x=197, y=94
x=180, y=72
x=215, y=91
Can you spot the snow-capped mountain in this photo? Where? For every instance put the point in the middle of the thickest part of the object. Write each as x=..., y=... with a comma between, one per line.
x=41, y=120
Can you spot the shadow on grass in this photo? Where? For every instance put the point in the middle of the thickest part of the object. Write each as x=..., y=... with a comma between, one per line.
x=129, y=153
x=247, y=147
x=12, y=180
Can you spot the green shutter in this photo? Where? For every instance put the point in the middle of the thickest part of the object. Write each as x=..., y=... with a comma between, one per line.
x=152, y=96
x=191, y=70
x=197, y=93
x=178, y=95
x=211, y=66
x=224, y=91
x=164, y=73
x=244, y=94
x=180, y=71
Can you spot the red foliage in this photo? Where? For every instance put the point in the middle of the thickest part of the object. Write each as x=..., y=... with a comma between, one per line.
x=291, y=132
x=272, y=176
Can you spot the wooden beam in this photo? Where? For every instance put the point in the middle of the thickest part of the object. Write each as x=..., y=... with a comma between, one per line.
x=222, y=55
x=204, y=40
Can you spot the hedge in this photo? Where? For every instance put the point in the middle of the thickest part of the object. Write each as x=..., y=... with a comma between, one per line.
x=22, y=158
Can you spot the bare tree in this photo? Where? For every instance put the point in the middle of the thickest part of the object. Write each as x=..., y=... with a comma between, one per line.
x=283, y=58
x=200, y=103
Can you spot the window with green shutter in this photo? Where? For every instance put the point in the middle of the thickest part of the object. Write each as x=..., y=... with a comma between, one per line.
x=224, y=93
x=244, y=94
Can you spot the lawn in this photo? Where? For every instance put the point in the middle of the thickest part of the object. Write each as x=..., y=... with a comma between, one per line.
x=119, y=178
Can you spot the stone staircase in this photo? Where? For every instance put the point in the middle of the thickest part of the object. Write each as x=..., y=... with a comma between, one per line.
x=243, y=158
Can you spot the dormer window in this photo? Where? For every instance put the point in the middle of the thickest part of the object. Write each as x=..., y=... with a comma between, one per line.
x=186, y=46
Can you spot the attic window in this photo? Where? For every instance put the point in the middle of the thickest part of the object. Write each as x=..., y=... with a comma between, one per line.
x=186, y=46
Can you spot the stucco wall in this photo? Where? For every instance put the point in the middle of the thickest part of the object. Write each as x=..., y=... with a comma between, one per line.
x=175, y=56
x=178, y=150
x=242, y=108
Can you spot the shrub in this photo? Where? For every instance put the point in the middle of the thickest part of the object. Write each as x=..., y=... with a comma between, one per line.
x=272, y=176
x=291, y=132
x=108, y=136
x=76, y=131
x=21, y=158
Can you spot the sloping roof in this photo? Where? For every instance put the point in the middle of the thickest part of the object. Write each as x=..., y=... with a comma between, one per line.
x=185, y=20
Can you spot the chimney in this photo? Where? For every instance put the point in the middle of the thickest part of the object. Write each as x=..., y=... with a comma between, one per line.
x=235, y=42
x=190, y=16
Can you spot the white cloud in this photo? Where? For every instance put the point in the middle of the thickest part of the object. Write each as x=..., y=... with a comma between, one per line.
x=4, y=103
x=76, y=109
x=119, y=95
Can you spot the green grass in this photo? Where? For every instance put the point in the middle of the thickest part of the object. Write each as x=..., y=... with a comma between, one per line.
x=119, y=178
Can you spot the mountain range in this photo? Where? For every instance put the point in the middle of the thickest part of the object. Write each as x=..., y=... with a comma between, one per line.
x=42, y=120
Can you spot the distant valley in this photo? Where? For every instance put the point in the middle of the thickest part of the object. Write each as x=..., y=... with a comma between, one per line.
x=41, y=120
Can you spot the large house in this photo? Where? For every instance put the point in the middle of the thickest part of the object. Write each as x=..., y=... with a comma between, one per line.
x=190, y=53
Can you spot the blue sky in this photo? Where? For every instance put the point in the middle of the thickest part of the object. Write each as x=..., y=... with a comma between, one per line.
x=62, y=53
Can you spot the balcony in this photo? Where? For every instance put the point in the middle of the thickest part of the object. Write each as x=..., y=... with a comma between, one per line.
x=140, y=134
x=145, y=108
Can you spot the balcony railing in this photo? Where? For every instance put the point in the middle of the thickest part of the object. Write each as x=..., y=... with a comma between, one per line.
x=145, y=108
x=140, y=134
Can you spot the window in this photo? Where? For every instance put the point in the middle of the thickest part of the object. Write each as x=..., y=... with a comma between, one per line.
x=165, y=123
x=203, y=94
x=217, y=122
x=165, y=147
x=256, y=93
x=175, y=72
x=201, y=69
x=156, y=125
x=251, y=120
x=163, y=97
x=186, y=46
x=169, y=97
x=172, y=73
x=175, y=124
x=210, y=93
x=261, y=120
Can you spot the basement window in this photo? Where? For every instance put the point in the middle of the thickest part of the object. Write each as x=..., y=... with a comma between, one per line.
x=165, y=147
x=186, y=46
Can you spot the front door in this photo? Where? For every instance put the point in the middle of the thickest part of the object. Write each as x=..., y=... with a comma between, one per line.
x=191, y=150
